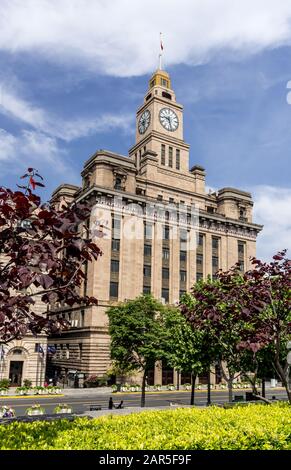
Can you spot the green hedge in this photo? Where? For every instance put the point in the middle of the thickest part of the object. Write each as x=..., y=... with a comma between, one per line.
x=251, y=427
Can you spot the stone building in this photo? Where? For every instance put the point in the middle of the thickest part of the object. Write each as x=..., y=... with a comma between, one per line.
x=25, y=358
x=159, y=228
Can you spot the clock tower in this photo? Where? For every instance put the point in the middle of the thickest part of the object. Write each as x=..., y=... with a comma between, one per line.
x=159, y=127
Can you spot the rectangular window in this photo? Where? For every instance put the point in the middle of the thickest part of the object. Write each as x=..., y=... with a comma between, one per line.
x=171, y=200
x=177, y=159
x=116, y=224
x=242, y=266
x=241, y=248
x=160, y=197
x=147, y=250
x=146, y=289
x=183, y=276
x=199, y=259
x=165, y=273
x=116, y=228
x=114, y=266
x=210, y=209
x=199, y=276
x=215, y=243
x=183, y=235
x=200, y=239
x=148, y=231
x=215, y=262
x=147, y=271
x=170, y=157
x=166, y=253
x=183, y=256
x=113, y=290
x=115, y=245
x=166, y=232
x=82, y=318
x=165, y=294
x=163, y=154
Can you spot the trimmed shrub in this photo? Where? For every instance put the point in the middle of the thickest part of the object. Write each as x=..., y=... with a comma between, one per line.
x=4, y=383
x=239, y=428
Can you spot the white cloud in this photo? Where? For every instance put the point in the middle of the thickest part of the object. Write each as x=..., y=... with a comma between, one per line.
x=121, y=37
x=11, y=104
x=31, y=148
x=8, y=144
x=272, y=208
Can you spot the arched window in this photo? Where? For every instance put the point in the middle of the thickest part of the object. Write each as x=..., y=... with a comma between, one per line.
x=17, y=351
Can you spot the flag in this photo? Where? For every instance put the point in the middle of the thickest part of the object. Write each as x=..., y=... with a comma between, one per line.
x=39, y=349
x=51, y=350
x=2, y=353
x=161, y=42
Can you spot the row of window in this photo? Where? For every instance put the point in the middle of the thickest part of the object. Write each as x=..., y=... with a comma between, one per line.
x=170, y=154
x=68, y=351
x=76, y=319
x=148, y=235
x=183, y=259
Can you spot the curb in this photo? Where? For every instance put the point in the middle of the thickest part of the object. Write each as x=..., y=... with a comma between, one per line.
x=21, y=397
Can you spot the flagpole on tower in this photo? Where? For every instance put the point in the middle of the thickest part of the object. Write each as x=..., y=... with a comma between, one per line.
x=161, y=52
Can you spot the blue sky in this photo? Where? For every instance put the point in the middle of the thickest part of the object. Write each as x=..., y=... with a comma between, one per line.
x=72, y=74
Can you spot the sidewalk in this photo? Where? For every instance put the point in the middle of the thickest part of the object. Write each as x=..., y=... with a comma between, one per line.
x=76, y=392
x=79, y=392
x=133, y=409
x=108, y=391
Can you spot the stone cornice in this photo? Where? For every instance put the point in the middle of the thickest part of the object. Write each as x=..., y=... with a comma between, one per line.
x=104, y=156
x=161, y=100
x=162, y=138
x=207, y=221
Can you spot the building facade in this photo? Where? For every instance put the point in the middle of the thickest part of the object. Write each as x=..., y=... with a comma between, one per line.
x=158, y=227
x=24, y=358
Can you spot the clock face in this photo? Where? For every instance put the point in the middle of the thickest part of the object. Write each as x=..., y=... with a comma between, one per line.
x=169, y=119
x=144, y=121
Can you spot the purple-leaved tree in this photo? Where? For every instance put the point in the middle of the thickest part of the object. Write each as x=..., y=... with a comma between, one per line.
x=42, y=255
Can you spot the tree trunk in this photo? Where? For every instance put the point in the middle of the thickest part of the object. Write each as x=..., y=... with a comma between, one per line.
x=263, y=388
x=143, y=386
x=208, y=388
x=193, y=380
x=230, y=389
x=280, y=372
x=178, y=380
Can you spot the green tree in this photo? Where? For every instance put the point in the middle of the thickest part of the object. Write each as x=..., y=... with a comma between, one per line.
x=137, y=335
x=184, y=347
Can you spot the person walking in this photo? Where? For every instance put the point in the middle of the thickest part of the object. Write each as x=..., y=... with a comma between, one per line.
x=111, y=404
